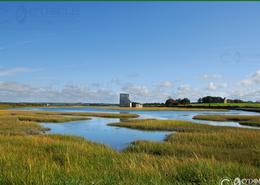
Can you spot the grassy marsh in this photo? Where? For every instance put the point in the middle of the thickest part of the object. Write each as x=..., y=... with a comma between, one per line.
x=22, y=122
x=94, y=114
x=250, y=120
x=194, y=154
x=180, y=108
x=256, y=105
x=26, y=122
x=199, y=141
x=161, y=125
x=57, y=159
x=66, y=114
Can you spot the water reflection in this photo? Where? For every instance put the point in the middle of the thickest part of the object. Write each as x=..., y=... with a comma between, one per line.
x=97, y=130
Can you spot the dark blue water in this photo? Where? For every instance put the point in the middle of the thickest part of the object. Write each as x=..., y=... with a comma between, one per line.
x=97, y=130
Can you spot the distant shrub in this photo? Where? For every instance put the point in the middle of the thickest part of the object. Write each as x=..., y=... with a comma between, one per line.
x=211, y=99
x=171, y=102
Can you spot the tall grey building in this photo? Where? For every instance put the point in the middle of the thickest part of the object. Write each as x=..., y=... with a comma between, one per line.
x=124, y=100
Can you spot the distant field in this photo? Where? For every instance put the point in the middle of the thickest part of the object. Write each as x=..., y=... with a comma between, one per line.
x=71, y=115
x=226, y=104
x=18, y=105
x=188, y=107
x=159, y=108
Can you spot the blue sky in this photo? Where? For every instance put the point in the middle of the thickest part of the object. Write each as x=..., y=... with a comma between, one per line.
x=89, y=52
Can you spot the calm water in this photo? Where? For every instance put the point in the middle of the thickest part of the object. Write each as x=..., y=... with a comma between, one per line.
x=97, y=130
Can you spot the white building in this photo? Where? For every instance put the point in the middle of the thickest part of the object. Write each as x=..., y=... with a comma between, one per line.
x=137, y=105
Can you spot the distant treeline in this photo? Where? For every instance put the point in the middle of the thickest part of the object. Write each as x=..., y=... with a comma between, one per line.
x=154, y=104
x=170, y=102
x=30, y=104
x=217, y=99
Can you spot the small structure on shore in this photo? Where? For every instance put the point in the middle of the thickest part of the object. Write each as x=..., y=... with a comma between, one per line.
x=137, y=105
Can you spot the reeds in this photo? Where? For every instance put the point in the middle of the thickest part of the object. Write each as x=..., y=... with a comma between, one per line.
x=251, y=120
x=193, y=154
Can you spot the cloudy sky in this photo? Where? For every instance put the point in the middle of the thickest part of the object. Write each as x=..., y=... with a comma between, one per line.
x=90, y=52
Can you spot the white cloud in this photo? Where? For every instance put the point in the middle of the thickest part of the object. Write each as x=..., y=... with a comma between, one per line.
x=108, y=93
x=11, y=91
x=256, y=77
x=154, y=93
x=136, y=90
x=212, y=86
x=252, y=79
x=165, y=84
x=14, y=71
x=116, y=81
x=211, y=76
x=133, y=75
x=246, y=82
x=187, y=91
x=246, y=94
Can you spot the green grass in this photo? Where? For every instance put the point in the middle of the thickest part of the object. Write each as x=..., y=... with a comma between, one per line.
x=66, y=115
x=199, y=141
x=13, y=126
x=250, y=120
x=194, y=154
x=255, y=105
x=74, y=161
x=178, y=108
x=162, y=125
x=26, y=122
x=3, y=106
x=19, y=105
x=94, y=114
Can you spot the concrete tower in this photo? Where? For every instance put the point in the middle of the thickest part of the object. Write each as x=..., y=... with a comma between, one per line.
x=124, y=100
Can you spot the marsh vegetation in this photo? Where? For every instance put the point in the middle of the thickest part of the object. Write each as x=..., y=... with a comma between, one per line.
x=192, y=154
x=250, y=120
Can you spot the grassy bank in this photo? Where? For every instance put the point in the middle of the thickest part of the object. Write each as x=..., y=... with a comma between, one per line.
x=95, y=114
x=162, y=125
x=194, y=154
x=250, y=120
x=42, y=160
x=252, y=105
x=181, y=108
x=65, y=115
x=198, y=141
x=26, y=122
x=20, y=105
